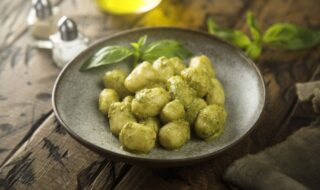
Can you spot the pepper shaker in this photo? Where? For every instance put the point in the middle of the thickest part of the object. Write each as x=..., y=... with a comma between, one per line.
x=42, y=19
x=67, y=42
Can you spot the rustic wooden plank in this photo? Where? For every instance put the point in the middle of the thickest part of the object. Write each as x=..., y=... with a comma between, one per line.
x=24, y=104
x=50, y=159
x=13, y=15
x=281, y=71
x=26, y=80
x=110, y=175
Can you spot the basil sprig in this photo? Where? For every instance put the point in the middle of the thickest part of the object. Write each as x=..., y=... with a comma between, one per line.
x=166, y=48
x=235, y=37
x=107, y=55
x=282, y=36
x=255, y=47
x=251, y=46
x=140, y=51
x=290, y=37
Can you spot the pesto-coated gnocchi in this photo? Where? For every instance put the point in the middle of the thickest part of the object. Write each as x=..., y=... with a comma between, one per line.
x=137, y=137
x=106, y=98
x=115, y=80
x=174, y=134
x=152, y=122
x=216, y=93
x=203, y=63
x=180, y=90
x=119, y=114
x=210, y=122
x=173, y=110
x=194, y=109
x=143, y=76
x=168, y=67
x=149, y=102
x=128, y=99
x=197, y=80
x=166, y=92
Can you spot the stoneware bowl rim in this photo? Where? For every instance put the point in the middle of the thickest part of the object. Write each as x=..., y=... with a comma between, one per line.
x=146, y=161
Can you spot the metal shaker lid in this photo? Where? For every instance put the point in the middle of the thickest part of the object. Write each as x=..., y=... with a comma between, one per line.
x=42, y=8
x=67, y=29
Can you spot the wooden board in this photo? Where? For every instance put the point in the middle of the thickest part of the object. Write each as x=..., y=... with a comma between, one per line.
x=26, y=78
x=50, y=159
x=37, y=153
x=27, y=75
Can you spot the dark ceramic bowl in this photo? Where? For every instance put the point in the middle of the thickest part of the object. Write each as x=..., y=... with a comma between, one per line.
x=75, y=97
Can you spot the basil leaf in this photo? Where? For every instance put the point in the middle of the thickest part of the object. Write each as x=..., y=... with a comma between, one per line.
x=235, y=37
x=136, y=53
x=166, y=48
x=107, y=55
x=142, y=40
x=290, y=37
x=137, y=48
x=254, y=50
x=253, y=27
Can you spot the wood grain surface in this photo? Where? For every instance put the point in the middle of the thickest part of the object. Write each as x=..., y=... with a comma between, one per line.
x=37, y=153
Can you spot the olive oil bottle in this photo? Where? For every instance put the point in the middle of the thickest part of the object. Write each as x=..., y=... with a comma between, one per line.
x=127, y=6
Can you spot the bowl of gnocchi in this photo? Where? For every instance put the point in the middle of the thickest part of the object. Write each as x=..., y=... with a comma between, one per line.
x=179, y=100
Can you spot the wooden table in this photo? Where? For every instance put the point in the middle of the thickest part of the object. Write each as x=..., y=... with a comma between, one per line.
x=37, y=153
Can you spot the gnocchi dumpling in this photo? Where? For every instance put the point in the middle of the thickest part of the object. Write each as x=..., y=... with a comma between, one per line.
x=173, y=110
x=180, y=90
x=194, y=109
x=152, y=122
x=149, y=102
x=106, y=98
x=168, y=67
x=143, y=76
x=174, y=134
x=115, y=80
x=204, y=64
x=128, y=99
x=210, y=122
x=119, y=114
x=137, y=137
x=197, y=80
x=216, y=93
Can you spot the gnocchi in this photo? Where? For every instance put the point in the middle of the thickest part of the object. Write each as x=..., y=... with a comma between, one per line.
x=164, y=101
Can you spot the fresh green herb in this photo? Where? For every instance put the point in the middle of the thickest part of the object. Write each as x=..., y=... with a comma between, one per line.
x=166, y=48
x=290, y=37
x=107, y=55
x=235, y=37
x=253, y=50
x=253, y=27
x=137, y=49
x=255, y=47
x=282, y=36
x=140, y=52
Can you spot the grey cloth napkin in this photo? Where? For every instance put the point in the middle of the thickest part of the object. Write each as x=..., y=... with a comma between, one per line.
x=293, y=164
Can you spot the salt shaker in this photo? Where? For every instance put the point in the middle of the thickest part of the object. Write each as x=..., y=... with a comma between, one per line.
x=42, y=19
x=67, y=42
